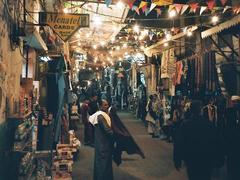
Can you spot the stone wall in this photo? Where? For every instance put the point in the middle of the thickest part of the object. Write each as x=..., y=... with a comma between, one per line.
x=10, y=67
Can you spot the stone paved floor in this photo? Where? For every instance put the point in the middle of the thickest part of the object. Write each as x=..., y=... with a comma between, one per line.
x=157, y=165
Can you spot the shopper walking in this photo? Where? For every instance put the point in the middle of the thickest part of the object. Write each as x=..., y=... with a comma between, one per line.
x=103, y=143
x=197, y=145
x=152, y=117
x=232, y=136
x=88, y=135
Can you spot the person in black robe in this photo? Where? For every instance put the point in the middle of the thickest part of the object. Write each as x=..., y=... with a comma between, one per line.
x=232, y=137
x=197, y=145
x=123, y=139
x=103, y=143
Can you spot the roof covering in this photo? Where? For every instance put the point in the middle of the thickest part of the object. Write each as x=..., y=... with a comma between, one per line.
x=105, y=23
x=222, y=26
x=157, y=47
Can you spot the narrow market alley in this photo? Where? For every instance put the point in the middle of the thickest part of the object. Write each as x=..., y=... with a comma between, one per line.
x=157, y=165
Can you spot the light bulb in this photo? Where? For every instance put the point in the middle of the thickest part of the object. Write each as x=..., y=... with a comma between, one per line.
x=125, y=45
x=165, y=44
x=172, y=13
x=120, y=4
x=97, y=21
x=189, y=33
x=215, y=19
x=136, y=28
x=65, y=10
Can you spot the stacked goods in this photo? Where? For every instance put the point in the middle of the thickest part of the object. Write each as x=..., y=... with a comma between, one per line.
x=26, y=164
x=63, y=161
x=23, y=134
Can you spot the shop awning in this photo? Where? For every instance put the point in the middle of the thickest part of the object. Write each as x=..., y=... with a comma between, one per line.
x=220, y=27
x=35, y=41
x=157, y=47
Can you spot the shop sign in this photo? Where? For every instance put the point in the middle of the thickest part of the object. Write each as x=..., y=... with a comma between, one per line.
x=65, y=25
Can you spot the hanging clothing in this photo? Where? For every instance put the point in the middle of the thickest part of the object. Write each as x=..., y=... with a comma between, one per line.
x=123, y=138
x=103, y=146
x=168, y=69
x=210, y=113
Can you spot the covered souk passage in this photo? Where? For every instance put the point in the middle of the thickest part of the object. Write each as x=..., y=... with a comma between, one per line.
x=158, y=163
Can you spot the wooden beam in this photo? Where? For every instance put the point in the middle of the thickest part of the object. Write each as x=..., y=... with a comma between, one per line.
x=228, y=44
x=223, y=54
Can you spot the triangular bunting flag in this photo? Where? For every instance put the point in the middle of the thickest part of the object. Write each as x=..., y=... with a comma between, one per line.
x=134, y=7
x=162, y=2
x=137, y=11
x=142, y=4
x=236, y=10
x=147, y=11
x=108, y=2
x=226, y=8
x=202, y=9
x=211, y=4
x=158, y=11
x=170, y=7
x=184, y=8
x=153, y=5
x=193, y=7
x=144, y=8
x=223, y=2
x=130, y=5
x=178, y=7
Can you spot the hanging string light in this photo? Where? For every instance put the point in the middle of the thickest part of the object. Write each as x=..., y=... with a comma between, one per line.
x=215, y=19
x=94, y=46
x=136, y=29
x=120, y=4
x=165, y=44
x=65, y=10
x=125, y=45
x=172, y=13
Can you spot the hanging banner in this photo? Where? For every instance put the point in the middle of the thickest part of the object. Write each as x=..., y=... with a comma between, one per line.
x=162, y=2
x=64, y=25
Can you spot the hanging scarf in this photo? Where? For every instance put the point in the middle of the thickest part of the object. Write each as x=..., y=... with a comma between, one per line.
x=93, y=118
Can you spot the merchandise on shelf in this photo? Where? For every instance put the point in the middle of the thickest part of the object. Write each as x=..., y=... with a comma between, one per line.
x=26, y=164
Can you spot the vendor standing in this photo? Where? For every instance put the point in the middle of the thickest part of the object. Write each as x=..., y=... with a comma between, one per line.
x=103, y=143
